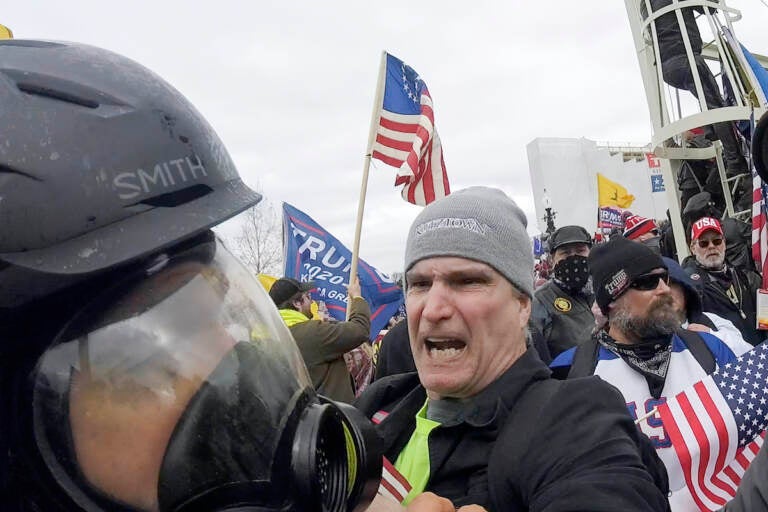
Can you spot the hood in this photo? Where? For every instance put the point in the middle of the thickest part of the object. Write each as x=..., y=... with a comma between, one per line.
x=692, y=289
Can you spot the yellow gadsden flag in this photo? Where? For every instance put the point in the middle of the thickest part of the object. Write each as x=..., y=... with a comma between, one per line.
x=5, y=32
x=610, y=193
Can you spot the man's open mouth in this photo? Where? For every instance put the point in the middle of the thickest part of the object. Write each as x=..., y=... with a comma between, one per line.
x=444, y=348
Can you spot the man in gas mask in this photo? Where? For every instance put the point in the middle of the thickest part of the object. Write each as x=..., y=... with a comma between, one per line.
x=142, y=367
x=562, y=312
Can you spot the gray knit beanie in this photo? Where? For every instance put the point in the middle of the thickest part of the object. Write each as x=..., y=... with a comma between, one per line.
x=477, y=223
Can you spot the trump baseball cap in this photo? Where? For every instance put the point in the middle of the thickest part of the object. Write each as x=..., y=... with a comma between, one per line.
x=703, y=225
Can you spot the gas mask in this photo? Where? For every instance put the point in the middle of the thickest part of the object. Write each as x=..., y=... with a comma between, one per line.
x=180, y=389
x=572, y=273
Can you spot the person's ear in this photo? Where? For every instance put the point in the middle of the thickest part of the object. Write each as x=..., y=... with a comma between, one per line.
x=525, y=308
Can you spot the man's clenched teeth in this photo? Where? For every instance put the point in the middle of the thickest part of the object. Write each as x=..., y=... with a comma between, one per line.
x=444, y=348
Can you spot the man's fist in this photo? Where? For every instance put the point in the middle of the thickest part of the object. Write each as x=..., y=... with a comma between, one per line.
x=428, y=502
x=353, y=289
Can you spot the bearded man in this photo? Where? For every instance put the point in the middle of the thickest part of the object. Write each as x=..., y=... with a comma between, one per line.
x=728, y=292
x=643, y=351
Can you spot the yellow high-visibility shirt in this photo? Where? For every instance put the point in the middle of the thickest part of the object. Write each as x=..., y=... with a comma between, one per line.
x=413, y=461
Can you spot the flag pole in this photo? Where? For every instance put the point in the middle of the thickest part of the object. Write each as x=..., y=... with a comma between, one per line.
x=647, y=415
x=377, y=105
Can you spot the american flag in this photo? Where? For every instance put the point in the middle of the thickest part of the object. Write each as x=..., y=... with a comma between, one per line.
x=718, y=425
x=759, y=234
x=393, y=483
x=406, y=137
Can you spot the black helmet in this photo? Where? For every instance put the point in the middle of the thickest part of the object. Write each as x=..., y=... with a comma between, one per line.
x=142, y=367
x=569, y=235
x=101, y=162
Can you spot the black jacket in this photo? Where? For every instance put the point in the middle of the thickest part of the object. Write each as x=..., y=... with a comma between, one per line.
x=395, y=352
x=752, y=494
x=564, y=319
x=531, y=443
x=716, y=300
x=668, y=30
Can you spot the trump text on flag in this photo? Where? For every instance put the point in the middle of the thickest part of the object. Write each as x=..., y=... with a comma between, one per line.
x=313, y=254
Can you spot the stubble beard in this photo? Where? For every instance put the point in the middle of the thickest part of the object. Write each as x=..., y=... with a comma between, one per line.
x=714, y=262
x=660, y=321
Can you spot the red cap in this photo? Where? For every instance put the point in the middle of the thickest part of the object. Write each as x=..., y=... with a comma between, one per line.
x=637, y=225
x=705, y=224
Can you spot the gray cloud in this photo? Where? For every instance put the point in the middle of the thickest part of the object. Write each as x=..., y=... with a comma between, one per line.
x=289, y=86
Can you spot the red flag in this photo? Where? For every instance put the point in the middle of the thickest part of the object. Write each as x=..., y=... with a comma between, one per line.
x=406, y=137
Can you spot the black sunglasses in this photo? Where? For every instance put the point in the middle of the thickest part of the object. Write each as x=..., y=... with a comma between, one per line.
x=647, y=282
x=705, y=243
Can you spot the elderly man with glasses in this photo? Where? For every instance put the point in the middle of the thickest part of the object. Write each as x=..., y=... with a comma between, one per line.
x=643, y=351
x=728, y=292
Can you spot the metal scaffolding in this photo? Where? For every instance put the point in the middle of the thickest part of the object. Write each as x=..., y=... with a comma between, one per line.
x=674, y=111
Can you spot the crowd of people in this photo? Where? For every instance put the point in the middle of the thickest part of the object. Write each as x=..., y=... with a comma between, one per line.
x=617, y=309
x=142, y=368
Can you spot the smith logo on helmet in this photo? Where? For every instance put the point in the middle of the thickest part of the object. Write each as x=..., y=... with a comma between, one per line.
x=165, y=174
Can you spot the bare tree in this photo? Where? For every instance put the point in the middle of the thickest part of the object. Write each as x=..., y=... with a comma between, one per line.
x=259, y=244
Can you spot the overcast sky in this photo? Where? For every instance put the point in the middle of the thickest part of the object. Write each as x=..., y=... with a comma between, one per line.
x=289, y=86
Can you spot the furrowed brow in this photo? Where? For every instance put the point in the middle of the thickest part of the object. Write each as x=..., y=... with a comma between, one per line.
x=413, y=276
x=459, y=274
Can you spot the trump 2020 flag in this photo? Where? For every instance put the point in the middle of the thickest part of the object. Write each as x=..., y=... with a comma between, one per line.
x=313, y=254
x=717, y=427
x=406, y=137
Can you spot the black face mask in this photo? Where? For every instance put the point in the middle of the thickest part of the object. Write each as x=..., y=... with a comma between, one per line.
x=573, y=273
x=653, y=243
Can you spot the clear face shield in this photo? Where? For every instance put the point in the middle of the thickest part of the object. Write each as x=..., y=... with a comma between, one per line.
x=180, y=388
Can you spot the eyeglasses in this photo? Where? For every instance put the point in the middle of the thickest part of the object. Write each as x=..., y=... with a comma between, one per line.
x=717, y=242
x=647, y=282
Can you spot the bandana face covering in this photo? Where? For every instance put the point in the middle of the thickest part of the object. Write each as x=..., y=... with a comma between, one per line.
x=573, y=273
x=651, y=359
